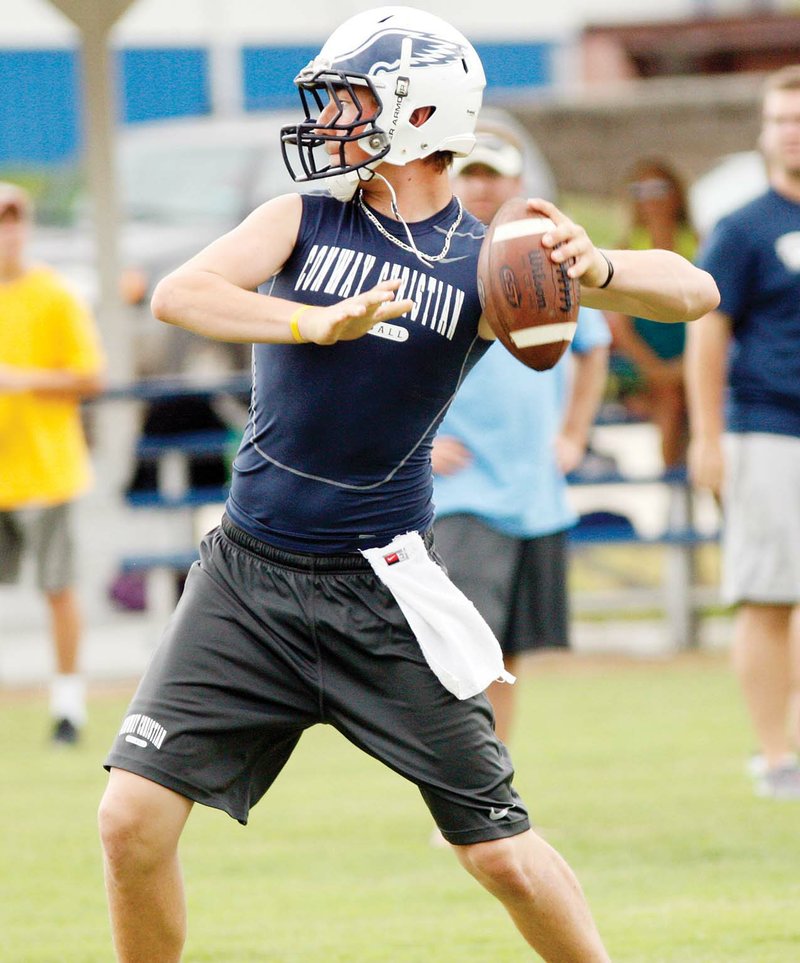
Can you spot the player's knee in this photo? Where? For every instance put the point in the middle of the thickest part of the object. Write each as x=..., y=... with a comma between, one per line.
x=499, y=866
x=130, y=832
x=122, y=830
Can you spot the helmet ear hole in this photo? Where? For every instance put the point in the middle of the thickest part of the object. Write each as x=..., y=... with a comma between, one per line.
x=421, y=115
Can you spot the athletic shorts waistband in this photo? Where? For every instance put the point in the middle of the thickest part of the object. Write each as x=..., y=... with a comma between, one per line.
x=300, y=561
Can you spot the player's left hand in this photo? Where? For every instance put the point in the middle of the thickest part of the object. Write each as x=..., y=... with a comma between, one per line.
x=353, y=317
x=569, y=242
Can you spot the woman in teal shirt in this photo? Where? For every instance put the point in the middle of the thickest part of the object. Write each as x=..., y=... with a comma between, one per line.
x=648, y=361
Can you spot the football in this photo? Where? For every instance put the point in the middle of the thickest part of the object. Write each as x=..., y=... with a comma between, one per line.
x=529, y=301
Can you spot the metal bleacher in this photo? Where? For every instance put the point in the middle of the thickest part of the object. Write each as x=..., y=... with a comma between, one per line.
x=677, y=596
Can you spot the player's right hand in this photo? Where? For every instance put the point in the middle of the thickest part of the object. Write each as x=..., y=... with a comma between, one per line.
x=569, y=243
x=353, y=317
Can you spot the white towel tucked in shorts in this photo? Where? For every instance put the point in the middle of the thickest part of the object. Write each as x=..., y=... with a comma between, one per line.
x=457, y=643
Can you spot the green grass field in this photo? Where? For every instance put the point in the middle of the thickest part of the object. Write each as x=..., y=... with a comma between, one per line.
x=633, y=770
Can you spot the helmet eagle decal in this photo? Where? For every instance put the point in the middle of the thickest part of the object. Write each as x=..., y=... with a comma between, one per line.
x=381, y=52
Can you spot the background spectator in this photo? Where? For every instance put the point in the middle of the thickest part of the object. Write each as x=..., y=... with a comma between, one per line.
x=650, y=376
x=49, y=359
x=504, y=448
x=749, y=351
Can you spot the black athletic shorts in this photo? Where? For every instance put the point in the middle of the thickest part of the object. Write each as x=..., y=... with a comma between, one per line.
x=265, y=643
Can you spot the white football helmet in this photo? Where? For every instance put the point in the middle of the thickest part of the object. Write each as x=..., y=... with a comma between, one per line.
x=407, y=59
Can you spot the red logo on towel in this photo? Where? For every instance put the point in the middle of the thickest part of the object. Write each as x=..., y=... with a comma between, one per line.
x=394, y=557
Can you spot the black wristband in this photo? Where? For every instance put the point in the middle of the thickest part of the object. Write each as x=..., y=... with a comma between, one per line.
x=607, y=281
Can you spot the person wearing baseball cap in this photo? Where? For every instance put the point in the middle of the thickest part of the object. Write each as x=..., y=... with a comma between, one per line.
x=504, y=163
x=496, y=149
x=50, y=359
x=500, y=457
x=14, y=200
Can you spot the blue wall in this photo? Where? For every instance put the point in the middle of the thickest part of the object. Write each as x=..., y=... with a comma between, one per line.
x=40, y=107
x=164, y=83
x=40, y=120
x=516, y=65
x=269, y=71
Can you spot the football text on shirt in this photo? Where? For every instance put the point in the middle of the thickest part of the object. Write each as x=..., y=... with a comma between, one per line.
x=345, y=273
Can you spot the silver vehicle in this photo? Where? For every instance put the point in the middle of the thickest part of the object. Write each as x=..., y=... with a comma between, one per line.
x=182, y=183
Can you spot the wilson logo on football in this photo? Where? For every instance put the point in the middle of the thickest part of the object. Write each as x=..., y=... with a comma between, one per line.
x=510, y=288
x=536, y=262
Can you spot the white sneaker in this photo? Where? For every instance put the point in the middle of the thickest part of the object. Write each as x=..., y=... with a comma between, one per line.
x=782, y=783
x=757, y=767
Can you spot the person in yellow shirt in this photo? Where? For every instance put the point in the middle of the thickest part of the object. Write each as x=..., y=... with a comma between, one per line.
x=50, y=358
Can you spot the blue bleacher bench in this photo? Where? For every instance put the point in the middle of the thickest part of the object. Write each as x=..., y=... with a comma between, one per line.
x=594, y=529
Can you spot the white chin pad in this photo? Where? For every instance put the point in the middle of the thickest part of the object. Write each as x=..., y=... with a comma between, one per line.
x=342, y=186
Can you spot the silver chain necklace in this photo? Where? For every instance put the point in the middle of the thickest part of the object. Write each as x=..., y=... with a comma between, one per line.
x=412, y=248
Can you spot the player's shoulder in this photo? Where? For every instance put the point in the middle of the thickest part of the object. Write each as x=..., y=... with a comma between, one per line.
x=278, y=218
x=320, y=202
x=468, y=238
x=320, y=208
x=320, y=198
x=472, y=227
x=279, y=205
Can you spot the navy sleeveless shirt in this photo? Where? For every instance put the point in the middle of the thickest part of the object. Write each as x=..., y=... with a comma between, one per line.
x=336, y=453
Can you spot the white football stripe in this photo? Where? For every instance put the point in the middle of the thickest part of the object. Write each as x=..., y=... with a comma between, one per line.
x=544, y=334
x=522, y=228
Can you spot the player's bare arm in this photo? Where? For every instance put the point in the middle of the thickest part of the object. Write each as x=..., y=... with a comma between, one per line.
x=660, y=285
x=214, y=293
